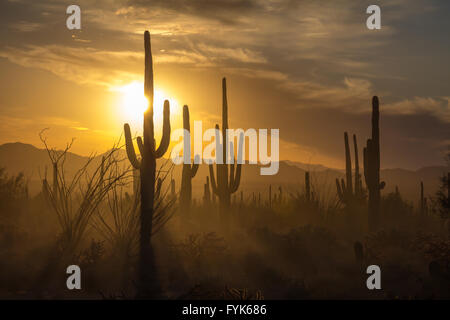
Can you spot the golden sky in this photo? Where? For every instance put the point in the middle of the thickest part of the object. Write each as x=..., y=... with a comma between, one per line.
x=308, y=68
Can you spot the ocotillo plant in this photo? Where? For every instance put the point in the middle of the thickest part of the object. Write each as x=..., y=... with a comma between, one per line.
x=55, y=178
x=172, y=189
x=147, y=168
x=158, y=188
x=102, y=171
x=372, y=168
x=189, y=171
x=225, y=187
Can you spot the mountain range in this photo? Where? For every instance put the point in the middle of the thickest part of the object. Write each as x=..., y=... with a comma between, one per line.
x=34, y=162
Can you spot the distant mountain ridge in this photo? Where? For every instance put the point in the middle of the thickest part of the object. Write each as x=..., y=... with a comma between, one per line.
x=32, y=161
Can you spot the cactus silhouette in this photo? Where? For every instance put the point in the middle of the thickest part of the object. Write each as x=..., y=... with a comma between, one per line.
x=359, y=251
x=346, y=193
x=189, y=171
x=206, y=192
x=225, y=187
x=358, y=181
x=307, y=186
x=348, y=166
x=147, y=169
x=372, y=168
x=423, y=201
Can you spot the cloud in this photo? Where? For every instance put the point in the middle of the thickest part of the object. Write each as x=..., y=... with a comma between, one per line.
x=438, y=107
x=230, y=11
x=81, y=65
x=25, y=26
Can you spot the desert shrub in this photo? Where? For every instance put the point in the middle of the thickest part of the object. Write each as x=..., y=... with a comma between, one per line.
x=13, y=191
x=396, y=212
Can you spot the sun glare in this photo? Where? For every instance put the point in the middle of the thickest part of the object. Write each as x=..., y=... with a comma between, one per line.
x=134, y=103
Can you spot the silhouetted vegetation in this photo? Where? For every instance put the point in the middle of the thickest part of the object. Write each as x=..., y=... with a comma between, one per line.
x=134, y=236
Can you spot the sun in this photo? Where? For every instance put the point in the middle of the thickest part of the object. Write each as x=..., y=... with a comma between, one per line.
x=133, y=103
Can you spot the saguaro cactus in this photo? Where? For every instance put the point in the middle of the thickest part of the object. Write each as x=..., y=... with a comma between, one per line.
x=346, y=193
x=307, y=186
x=372, y=168
x=147, y=169
x=189, y=171
x=225, y=187
x=423, y=201
x=206, y=192
x=448, y=187
x=348, y=165
x=358, y=181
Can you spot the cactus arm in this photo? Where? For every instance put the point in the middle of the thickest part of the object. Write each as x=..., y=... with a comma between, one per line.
x=140, y=145
x=232, y=165
x=231, y=183
x=366, y=162
x=213, y=180
x=130, y=149
x=224, y=106
x=164, y=145
x=194, y=170
x=195, y=166
x=237, y=177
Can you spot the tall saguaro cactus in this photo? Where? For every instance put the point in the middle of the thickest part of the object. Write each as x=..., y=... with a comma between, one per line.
x=189, y=171
x=348, y=165
x=147, y=170
x=225, y=187
x=346, y=193
x=358, y=182
x=372, y=168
